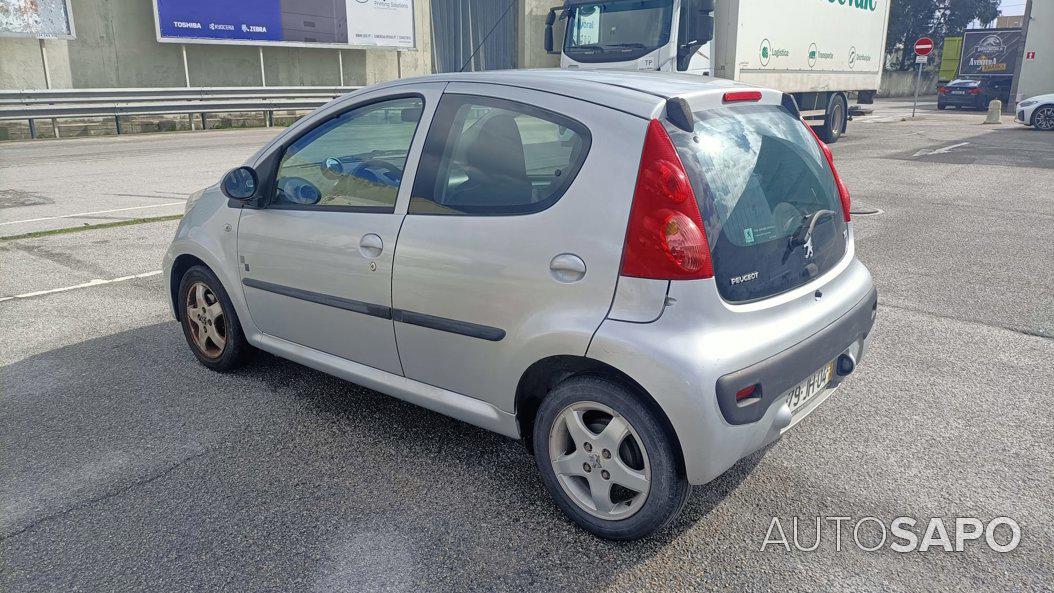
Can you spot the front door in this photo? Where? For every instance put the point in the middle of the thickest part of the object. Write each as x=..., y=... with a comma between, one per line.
x=317, y=258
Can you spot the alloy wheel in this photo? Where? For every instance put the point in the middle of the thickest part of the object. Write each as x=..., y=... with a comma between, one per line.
x=1043, y=118
x=599, y=460
x=204, y=316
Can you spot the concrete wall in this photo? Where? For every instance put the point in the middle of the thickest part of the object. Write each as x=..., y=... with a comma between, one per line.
x=532, y=34
x=902, y=84
x=116, y=46
x=1037, y=76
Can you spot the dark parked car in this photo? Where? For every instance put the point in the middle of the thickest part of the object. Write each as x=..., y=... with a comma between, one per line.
x=973, y=94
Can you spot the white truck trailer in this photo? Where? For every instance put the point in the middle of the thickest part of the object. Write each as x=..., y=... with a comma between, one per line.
x=820, y=51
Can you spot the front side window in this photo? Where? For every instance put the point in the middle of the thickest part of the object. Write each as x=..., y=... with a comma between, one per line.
x=617, y=31
x=354, y=161
x=487, y=156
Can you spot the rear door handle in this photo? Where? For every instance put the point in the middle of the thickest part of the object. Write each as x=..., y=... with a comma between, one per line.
x=371, y=245
x=567, y=268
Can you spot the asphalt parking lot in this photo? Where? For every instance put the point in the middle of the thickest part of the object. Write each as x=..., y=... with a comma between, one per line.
x=125, y=465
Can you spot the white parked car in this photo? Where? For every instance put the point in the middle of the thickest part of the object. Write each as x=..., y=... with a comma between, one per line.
x=1037, y=112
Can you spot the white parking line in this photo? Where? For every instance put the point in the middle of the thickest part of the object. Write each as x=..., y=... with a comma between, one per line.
x=945, y=150
x=91, y=213
x=96, y=282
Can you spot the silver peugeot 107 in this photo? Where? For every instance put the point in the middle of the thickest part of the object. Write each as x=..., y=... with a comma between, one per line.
x=642, y=276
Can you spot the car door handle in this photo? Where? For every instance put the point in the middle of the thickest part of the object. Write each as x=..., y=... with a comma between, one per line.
x=371, y=245
x=567, y=268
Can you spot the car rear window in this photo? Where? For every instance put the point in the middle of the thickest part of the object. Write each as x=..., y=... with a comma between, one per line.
x=965, y=83
x=758, y=175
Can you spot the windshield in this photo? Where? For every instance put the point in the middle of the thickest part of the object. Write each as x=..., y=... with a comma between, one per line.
x=617, y=30
x=767, y=196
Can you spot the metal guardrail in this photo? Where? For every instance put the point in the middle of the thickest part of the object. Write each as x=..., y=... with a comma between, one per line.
x=54, y=104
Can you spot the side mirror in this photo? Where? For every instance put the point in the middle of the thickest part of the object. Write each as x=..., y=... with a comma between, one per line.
x=696, y=30
x=240, y=183
x=550, y=19
x=332, y=168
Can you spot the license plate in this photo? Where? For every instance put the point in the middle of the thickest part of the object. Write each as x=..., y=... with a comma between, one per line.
x=803, y=392
x=958, y=92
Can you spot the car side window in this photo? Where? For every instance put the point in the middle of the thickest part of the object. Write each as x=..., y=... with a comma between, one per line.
x=485, y=157
x=354, y=161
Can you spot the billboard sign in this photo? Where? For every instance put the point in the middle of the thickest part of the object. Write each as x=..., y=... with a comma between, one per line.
x=303, y=23
x=42, y=19
x=990, y=52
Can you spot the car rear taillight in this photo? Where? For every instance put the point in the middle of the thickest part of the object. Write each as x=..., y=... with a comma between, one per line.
x=843, y=191
x=942, y=90
x=665, y=239
x=975, y=91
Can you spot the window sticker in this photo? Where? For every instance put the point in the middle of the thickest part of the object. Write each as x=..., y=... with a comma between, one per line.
x=748, y=235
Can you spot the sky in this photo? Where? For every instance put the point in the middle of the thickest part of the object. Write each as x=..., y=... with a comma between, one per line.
x=1006, y=8
x=1012, y=7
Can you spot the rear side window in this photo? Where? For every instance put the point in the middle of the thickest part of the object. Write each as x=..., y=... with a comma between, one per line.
x=760, y=179
x=487, y=157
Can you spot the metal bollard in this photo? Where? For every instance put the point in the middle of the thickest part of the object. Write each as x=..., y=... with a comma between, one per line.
x=995, y=112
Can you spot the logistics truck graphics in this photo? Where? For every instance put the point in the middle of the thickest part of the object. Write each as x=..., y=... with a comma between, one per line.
x=823, y=52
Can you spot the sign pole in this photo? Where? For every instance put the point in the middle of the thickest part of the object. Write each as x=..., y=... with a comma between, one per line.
x=923, y=47
x=44, y=63
x=186, y=67
x=918, y=81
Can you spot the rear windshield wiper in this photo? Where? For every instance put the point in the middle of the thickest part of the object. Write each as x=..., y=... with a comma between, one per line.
x=804, y=231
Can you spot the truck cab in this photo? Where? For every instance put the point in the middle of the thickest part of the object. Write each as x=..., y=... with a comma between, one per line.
x=797, y=46
x=666, y=35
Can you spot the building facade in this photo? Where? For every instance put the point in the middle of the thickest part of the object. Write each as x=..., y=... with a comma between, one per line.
x=116, y=46
x=1036, y=74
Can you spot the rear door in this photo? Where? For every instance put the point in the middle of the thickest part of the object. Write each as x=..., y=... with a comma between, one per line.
x=511, y=245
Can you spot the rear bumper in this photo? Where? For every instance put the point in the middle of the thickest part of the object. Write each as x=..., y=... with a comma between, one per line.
x=974, y=101
x=681, y=357
x=781, y=372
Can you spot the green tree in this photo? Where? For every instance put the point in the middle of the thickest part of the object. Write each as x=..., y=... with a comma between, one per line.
x=911, y=19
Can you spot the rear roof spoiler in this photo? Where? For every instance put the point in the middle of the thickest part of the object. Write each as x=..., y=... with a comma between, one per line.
x=679, y=114
x=791, y=105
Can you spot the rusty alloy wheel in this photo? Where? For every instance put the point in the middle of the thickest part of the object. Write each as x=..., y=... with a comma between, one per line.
x=204, y=316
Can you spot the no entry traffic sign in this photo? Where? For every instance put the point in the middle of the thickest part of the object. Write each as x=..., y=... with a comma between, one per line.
x=923, y=46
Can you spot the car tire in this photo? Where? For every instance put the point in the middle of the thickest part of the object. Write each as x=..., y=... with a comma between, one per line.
x=834, y=121
x=941, y=107
x=1043, y=118
x=210, y=323
x=608, y=504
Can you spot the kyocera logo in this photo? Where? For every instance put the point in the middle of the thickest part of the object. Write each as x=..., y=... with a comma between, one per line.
x=861, y=4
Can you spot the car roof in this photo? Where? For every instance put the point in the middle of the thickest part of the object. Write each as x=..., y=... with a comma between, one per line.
x=636, y=92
